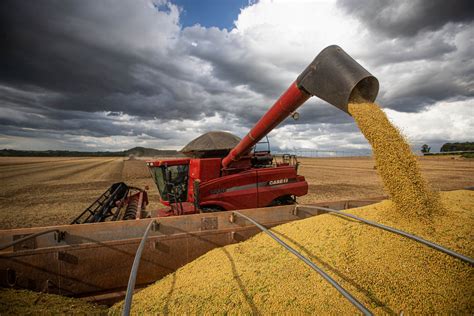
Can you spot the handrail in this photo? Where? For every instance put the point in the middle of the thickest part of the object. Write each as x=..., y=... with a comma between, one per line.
x=133, y=273
x=399, y=232
x=338, y=287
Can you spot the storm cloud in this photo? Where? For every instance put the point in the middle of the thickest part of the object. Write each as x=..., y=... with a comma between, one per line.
x=113, y=74
x=408, y=18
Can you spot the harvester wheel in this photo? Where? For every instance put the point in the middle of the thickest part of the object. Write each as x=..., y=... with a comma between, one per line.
x=283, y=200
x=131, y=211
x=212, y=209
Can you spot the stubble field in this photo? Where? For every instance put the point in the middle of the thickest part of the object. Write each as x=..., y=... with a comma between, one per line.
x=53, y=191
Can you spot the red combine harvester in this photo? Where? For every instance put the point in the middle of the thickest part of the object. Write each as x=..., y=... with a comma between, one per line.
x=195, y=185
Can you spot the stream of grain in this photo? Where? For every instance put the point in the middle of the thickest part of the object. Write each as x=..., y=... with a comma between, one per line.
x=396, y=164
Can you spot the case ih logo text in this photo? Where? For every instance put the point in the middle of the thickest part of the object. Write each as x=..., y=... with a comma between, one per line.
x=279, y=181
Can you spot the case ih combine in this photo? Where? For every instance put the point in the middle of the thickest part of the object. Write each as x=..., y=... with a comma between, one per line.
x=206, y=184
x=221, y=173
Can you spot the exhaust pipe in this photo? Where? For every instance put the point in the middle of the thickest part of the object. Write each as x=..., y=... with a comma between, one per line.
x=337, y=78
x=333, y=76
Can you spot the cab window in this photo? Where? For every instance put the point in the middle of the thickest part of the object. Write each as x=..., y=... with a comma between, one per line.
x=172, y=182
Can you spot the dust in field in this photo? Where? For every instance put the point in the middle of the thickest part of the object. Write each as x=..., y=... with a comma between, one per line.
x=20, y=302
x=396, y=163
x=388, y=273
x=9, y=162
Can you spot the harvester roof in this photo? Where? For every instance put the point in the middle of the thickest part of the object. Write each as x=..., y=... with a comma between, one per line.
x=211, y=144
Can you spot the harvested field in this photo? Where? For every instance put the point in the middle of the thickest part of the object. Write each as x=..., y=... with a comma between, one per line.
x=50, y=191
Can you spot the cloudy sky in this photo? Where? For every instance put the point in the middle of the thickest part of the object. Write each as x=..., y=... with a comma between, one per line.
x=111, y=75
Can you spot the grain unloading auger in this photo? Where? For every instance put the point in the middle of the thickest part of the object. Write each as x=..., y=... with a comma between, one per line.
x=95, y=258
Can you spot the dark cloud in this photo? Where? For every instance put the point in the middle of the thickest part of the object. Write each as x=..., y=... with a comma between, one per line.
x=90, y=56
x=406, y=18
x=423, y=52
x=43, y=47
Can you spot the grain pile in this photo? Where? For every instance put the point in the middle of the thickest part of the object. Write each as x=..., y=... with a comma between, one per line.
x=396, y=164
x=386, y=272
x=21, y=302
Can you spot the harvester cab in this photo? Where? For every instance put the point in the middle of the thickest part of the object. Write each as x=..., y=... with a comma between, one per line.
x=171, y=179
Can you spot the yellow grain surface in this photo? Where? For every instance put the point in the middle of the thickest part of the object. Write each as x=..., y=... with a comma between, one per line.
x=396, y=163
x=386, y=272
x=21, y=302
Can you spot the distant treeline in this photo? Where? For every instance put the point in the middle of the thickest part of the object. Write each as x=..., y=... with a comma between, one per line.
x=136, y=152
x=467, y=146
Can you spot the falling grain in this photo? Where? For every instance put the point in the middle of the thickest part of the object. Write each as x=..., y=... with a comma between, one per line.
x=396, y=164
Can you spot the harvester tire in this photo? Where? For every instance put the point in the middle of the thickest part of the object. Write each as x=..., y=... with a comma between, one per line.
x=283, y=200
x=212, y=209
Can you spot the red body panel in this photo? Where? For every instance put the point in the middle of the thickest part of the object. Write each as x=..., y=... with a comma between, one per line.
x=230, y=192
x=252, y=188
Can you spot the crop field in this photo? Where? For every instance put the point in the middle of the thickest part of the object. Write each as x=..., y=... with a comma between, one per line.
x=51, y=191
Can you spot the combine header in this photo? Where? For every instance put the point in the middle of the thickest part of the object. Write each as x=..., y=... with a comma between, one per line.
x=110, y=205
